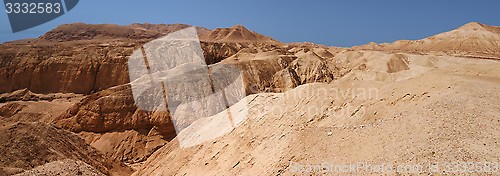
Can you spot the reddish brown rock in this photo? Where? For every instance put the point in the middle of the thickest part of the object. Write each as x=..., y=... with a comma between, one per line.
x=113, y=110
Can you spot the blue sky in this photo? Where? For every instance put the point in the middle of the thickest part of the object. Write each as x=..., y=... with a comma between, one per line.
x=334, y=23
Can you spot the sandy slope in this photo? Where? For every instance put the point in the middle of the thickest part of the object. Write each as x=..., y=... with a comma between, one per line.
x=449, y=112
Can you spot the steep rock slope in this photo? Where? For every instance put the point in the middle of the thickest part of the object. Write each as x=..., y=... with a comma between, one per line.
x=80, y=68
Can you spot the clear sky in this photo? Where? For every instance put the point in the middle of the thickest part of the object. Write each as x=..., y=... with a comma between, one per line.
x=329, y=22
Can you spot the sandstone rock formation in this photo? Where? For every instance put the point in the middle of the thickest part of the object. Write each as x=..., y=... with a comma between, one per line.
x=111, y=110
x=137, y=134
x=111, y=115
x=91, y=58
x=25, y=106
x=65, y=68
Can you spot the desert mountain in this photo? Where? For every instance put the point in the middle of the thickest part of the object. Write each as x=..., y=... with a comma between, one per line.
x=406, y=102
x=471, y=40
x=237, y=34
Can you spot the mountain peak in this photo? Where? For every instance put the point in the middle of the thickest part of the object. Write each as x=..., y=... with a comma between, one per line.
x=473, y=26
x=238, y=26
x=237, y=33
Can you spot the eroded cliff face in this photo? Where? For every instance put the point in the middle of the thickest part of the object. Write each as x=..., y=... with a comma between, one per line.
x=78, y=58
x=80, y=68
x=110, y=121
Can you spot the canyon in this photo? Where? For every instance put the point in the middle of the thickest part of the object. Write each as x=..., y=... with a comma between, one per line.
x=67, y=103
